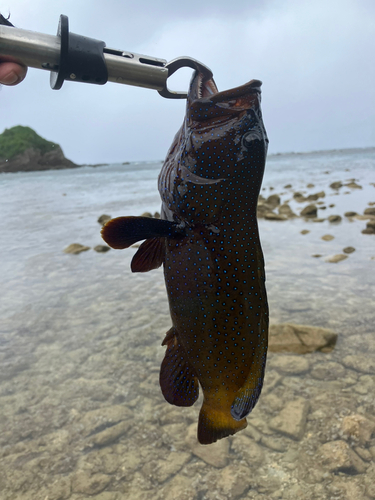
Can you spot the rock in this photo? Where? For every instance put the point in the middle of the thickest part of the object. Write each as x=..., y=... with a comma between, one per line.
x=358, y=427
x=369, y=481
x=156, y=215
x=316, y=196
x=234, y=480
x=103, y=219
x=146, y=214
x=215, y=454
x=347, y=490
x=328, y=237
x=291, y=365
x=369, y=211
x=285, y=209
x=350, y=214
x=248, y=449
x=328, y=370
x=337, y=258
x=169, y=467
x=337, y=456
x=273, y=201
x=90, y=485
x=59, y=489
x=287, y=186
x=353, y=185
x=301, y=339
x=76, y=248
x=97, y=420
x=318, y=219
x=370, y=228
x=37, y=154
x=336, y=185
x=361, y=363
x=305, y=231
x=179, y=487
x=349, y=250
x=101, y=248
x=310, y=186
x=272, y=216
x=299, y=197
x=111, y=434
x=334, y=219
x=309, y=211
x=291, y=421
x=317, y=255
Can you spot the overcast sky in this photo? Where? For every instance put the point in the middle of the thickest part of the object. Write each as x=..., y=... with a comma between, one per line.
x=315, y=58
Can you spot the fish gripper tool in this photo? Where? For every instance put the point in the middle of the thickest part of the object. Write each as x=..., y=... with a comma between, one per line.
x=77, y=58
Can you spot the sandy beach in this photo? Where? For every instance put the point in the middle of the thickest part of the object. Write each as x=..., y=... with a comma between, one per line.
x=82, y=414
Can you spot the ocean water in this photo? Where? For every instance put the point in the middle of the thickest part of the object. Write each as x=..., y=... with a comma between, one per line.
x=80, y=342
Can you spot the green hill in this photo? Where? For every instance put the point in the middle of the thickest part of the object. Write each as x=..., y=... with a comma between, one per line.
x=16, y=140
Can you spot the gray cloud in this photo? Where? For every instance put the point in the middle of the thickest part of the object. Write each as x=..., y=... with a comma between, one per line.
x=313, y=59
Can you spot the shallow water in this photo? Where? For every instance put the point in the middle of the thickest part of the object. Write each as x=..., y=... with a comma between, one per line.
x=82, y=415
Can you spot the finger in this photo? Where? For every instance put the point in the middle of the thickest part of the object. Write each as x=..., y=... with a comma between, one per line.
x=11, y=73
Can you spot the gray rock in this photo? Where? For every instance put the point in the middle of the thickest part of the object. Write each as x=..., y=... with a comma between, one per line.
x=353, y=185
x=337, y=258
x=336, y=185
x=315, y=196
x=83, y=482
x=32, y=160
x=328, y=237
x=329, y=370
x=272, y=216
x=248, y=449
x=310, y=211
x=111, y=434
x=103, y=219
x=215, y=454
x=369, y=211
x=358, y=427
x=234, y=480
x=291, y=421
x=337, y=456
x=360, y=363
x=305, y=231
x=299, y=197
x=350, y=214
x=334, y=219
x=301, y=339
x=290, y=365
x=97, y=420
x=348, y=250
x=273, y=201
x=101, y=248
x=285, y=209
x=76, y=248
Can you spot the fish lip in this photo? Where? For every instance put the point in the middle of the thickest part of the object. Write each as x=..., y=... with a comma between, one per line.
x=205, y=89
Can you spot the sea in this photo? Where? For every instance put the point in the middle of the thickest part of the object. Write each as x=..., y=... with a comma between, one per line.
x=79, y=333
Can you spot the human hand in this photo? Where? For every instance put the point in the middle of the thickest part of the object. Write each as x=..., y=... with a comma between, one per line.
x=11, y=73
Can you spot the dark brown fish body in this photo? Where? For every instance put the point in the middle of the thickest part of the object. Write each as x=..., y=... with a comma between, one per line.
x=213, y=262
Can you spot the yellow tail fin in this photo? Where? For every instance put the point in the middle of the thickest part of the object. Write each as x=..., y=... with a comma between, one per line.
x=217, y=423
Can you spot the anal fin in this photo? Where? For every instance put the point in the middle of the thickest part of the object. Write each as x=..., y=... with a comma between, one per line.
x=178, y=382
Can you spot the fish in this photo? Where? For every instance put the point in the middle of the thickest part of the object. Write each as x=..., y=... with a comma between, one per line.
x=207, y=240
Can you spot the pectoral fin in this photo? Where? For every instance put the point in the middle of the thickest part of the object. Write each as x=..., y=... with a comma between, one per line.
x=123, y=232
x=150, y=255
x=178, y=382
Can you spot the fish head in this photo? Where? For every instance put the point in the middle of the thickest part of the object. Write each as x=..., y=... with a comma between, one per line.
x=228, y=124
x=222, y=140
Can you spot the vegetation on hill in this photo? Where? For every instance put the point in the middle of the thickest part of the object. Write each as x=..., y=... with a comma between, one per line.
x=16, y=140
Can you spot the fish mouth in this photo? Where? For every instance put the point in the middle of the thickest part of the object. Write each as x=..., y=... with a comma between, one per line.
x=202, y=87
x=205, y=102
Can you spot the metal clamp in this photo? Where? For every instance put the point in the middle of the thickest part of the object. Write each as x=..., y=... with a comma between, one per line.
x=73, y=57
